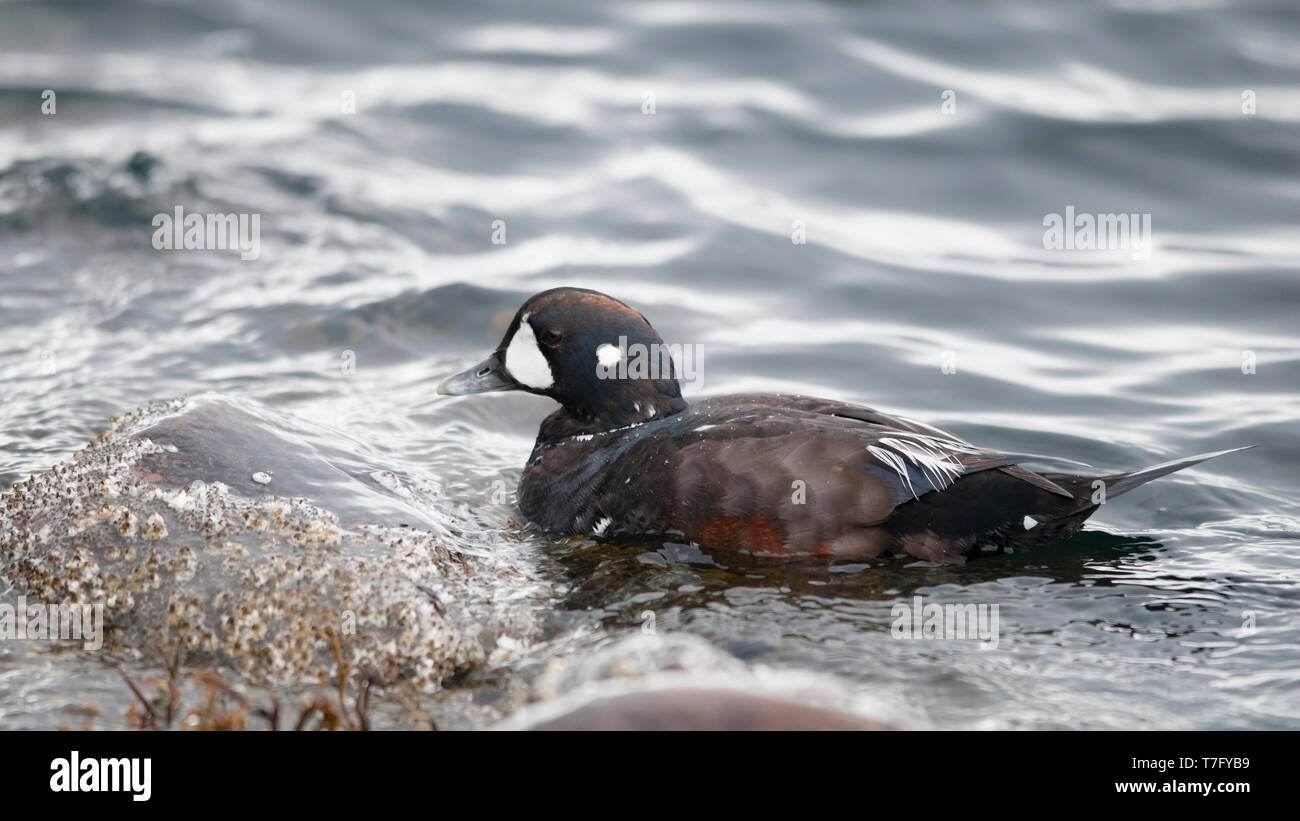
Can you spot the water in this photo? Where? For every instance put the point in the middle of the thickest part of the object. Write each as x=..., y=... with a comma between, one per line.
x=378, y=275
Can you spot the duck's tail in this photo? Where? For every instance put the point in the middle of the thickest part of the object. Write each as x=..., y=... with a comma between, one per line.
x=1122, y=482
x=1118, y=483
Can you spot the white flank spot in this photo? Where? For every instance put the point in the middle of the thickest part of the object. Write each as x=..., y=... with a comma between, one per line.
x=1030, y=522
x=525, y=361
x=609, y=355
x=599, y=529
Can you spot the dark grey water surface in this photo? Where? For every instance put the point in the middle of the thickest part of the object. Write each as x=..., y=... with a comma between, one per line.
x=924, y=244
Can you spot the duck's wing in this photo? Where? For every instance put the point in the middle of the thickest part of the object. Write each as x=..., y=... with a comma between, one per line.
x=917, y=463
x=847, y=410
x=916, y=458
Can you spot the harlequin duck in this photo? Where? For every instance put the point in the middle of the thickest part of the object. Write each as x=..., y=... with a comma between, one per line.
x=766, y=474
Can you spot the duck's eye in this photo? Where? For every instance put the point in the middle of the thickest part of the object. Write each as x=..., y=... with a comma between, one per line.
x=552, y=336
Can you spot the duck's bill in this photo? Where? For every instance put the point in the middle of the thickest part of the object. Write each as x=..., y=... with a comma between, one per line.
x=487, y=375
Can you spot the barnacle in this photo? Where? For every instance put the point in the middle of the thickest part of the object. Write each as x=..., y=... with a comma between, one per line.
x=258, y=587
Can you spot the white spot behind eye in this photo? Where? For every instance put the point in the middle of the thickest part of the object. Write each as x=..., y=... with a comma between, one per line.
x=525, y=361
x=1030, y=522
x=609, y=355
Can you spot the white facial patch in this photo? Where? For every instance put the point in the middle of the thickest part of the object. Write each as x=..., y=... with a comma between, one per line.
x=525, y=361
x=609, y=355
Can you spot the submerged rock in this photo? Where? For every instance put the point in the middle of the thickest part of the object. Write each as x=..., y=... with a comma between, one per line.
x=688, y=705
x=682, y=682
x=160, y=520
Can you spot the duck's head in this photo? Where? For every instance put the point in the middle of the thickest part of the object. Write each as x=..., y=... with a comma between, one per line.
x=576, y=346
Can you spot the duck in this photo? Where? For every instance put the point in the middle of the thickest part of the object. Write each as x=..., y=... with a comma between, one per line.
x=777, y=476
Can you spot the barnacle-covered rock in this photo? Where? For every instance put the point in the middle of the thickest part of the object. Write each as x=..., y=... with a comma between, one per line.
x=159, y=519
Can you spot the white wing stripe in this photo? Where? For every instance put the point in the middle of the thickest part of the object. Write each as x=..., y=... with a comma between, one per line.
x=934, y=457
x=893, y=460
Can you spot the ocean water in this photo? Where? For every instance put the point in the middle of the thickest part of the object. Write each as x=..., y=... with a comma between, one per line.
x=833, y=198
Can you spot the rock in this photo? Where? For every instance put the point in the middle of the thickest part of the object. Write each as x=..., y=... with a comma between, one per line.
x=158, y=519
x=682, y=682
x=687, y=707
